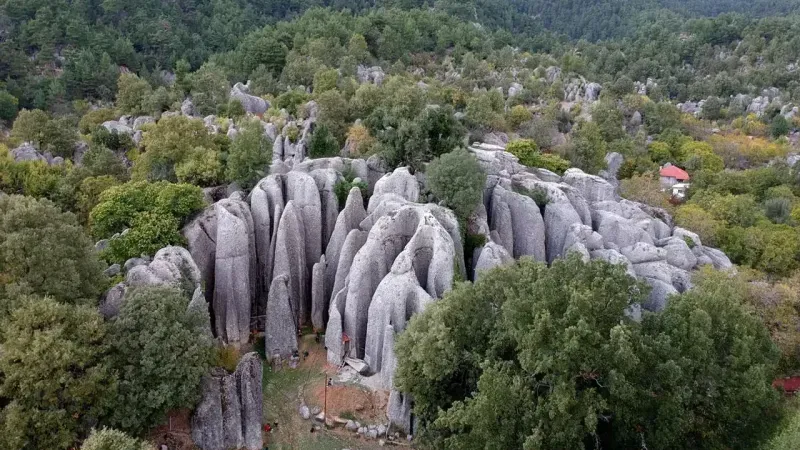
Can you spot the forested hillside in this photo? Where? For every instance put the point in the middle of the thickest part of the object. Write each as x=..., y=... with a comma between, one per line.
x=517, y=224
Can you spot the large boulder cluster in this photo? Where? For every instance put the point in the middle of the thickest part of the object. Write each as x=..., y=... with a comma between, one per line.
x=538, y=214
x=290, y=254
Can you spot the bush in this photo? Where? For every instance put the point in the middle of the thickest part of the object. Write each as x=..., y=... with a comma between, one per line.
x=110, y=439
x=8, y=106
x=519, y=115
x=120, y=205
x=44, y=251
x=57, y=382
x=249, y=156
x=169, y=143
x=161, y=351
x=148, y=233
x=778, y=210
x=524, y=149
x=779, y=126
x=343, y=187
x=201, y=167
x=323, y=143
x=457, y=179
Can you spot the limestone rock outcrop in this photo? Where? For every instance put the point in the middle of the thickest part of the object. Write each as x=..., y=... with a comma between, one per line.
x=230, y=411
x=582, y=213
x=250, y=103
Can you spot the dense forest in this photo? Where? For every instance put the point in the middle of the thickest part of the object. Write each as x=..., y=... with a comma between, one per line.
x=128, y=129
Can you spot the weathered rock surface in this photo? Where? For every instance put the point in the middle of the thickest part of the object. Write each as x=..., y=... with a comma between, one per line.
x=250, y=103
x=230, y=412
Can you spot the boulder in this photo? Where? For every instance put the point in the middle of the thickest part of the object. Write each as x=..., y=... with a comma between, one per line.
x=519, y=222
x=115, y=126
x=187, y=108
x=398, y=412
x=319, y=302
x=659, y=295
x=250, y=103
x=141, y=121
x=348, y=219
x=679, y=254
x=490, y=256
x=642, y=252
x=231, y=413
x=249, y=380
x=232, y=284
x=207, y=420
x=280, y=332
x=592, y=187
x=400, y=182
x=27, y=152
x=290, y=261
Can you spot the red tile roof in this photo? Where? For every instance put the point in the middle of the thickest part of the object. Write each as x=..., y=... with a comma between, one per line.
x=789, y=384
x=676, y=172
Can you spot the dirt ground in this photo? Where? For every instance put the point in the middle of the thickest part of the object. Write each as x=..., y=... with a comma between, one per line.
x=285, y=390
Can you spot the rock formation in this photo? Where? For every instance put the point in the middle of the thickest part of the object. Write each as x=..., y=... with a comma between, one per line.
x=230, y=411
x=250, y=103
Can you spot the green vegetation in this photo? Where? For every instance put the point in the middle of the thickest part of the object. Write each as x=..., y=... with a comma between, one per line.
x=110, y=439
x=153, y=214
x=56, y=382
x=409, y=83
x=457, y=180
x=530, y=355
x=163, y=371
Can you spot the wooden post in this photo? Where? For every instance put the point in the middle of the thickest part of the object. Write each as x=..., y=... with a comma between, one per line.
x=325, y=405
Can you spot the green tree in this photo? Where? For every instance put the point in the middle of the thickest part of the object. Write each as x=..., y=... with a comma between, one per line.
x=538, y=357
x=210, y=89
x=323, y=143
x=162, y=371
x=457, y=179
x=168, y=144
x=44, y=251
x=717, y=368
x=201, y=167
x=30, y=125
x=779, y=126
x=119, y=205
x=325, y=80
x=250, y=155
x=56, y=383
x=133, y=94
x=588, y=149
x=518, y=115
x=8, y=106
x=111, y=439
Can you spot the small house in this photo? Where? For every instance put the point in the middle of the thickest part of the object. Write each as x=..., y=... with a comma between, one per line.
x=671, y=175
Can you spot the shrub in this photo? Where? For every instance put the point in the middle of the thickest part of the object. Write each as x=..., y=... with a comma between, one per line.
x=154, y=212
x=161, y=351
x=323, y=143
x=110, y=439
x=519, y=115
x=8, y=106
x=201, y=167
x=226, y=356
x=343, y=187
x=148, y=233
x=57, y=382
x=524, y=149
x=249, y=156
x=778, y=210
x=44, y=251
x=457, y=179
